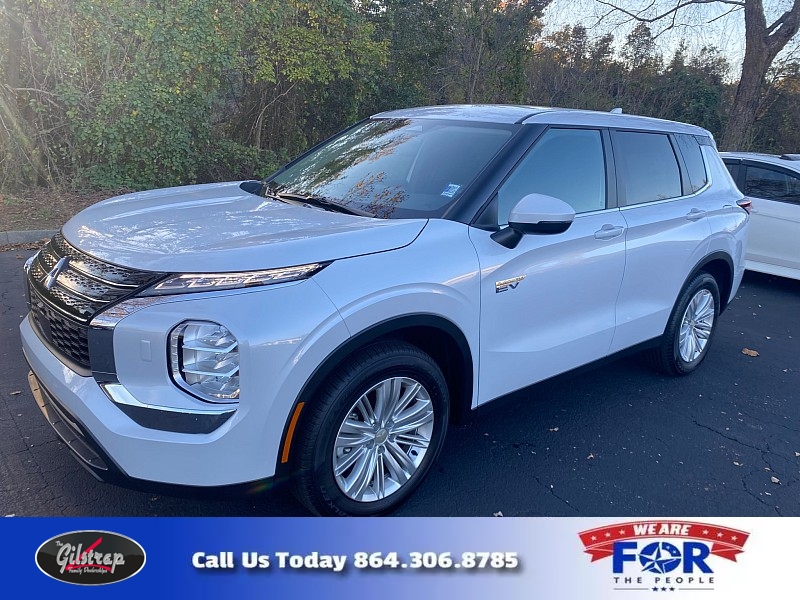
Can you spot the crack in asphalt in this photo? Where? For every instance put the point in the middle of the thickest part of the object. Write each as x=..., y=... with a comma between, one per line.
x=553, y=493
x=726, y=436
x=754, y=495
x=766, y=422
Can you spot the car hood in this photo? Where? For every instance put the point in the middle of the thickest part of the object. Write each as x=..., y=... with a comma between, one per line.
x=220, y=227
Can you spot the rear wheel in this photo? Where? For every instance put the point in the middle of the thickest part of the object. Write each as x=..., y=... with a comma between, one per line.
x=690, y=329
x=373, y=432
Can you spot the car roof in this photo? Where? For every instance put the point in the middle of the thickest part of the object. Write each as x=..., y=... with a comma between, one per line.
x=507, y=113
x=791, y=161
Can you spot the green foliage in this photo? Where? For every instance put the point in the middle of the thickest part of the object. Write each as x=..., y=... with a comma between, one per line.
x=147, y=93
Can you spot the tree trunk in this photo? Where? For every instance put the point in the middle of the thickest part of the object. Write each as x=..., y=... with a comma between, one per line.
x=738, y=131
x=15, y=39
x=762, y=45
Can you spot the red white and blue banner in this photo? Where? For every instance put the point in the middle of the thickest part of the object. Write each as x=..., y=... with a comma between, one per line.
x=461, y=558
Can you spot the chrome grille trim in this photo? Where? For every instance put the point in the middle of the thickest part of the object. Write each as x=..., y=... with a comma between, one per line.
x=86, y=285
x=64, y=305
x=101, y=270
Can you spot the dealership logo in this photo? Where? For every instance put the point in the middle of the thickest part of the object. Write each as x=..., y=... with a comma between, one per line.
x=663, y=556
x=90, y=557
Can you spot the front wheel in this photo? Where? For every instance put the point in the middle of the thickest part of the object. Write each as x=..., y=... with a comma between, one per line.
x=690, y=329
x=373, y=432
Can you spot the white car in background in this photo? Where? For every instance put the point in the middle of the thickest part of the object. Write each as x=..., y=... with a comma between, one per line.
x=773, y=185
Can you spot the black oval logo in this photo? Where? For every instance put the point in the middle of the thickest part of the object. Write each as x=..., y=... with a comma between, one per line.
x=90, y=557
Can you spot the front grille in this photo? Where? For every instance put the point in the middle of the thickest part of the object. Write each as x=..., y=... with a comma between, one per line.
x=84, y=287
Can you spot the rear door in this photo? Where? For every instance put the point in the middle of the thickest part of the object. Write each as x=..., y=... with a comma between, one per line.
x=668, y=229
x=774, y=237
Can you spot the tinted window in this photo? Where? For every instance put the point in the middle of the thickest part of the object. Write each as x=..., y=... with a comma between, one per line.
x=733, y=169
x=565, y=163
x=398, y=168
x=772, y=185
x=649, y=167
x=695, y=165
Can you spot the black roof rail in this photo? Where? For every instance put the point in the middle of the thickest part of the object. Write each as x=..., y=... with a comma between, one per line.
x=790, y=156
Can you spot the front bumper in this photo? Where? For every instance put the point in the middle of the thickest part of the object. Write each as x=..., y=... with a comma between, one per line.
x=93, y=458
x=85, y=449
x=111, y=444
x=246, y=447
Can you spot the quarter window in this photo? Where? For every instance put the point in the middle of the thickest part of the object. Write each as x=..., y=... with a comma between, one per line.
x=693, y=158
x=772, y=185
x=650, y=169
x=567, y=164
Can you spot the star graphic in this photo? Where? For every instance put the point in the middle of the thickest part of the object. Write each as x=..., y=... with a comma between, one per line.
x=663, y=589
x=659, y=557
x=734, y=538
x=671, y=589
x=622, y=532
x=705, y=531
x=719, y=535
x=655, y=589
x=608, y=534
x=594, y=538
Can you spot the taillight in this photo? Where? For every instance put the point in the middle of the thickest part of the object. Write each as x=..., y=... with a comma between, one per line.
x=746, y=204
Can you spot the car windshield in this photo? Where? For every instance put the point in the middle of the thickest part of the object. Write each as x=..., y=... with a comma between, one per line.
x=395, y=168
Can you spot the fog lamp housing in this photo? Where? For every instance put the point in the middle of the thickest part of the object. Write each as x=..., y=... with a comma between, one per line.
x=204, y=361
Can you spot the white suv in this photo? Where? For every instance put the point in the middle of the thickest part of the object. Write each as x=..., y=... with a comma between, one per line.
x=326, y=324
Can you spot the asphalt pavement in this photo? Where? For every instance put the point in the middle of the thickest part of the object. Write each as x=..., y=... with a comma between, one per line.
x=619, y=440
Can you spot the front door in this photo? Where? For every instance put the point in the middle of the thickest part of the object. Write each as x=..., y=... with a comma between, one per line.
x=548, y=305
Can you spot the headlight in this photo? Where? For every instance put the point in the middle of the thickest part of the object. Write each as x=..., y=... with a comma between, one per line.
x=209, y=282
x=204, y=359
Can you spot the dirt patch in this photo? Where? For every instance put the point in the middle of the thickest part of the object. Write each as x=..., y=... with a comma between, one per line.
x=24, y=246
x=41, y=208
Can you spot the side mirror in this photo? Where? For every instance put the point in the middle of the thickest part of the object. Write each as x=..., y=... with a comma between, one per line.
x=535, y=214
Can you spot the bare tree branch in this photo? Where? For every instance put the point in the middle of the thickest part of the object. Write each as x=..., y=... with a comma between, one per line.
x=763, y=43
x=672, y=11
x=725, y=14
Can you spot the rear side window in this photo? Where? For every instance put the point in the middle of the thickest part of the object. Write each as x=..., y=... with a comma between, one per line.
x=650, y=169
x=695, y=165
x=568, y=164
x=772, y=185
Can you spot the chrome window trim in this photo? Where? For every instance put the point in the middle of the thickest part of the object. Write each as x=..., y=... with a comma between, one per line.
x=687, y=197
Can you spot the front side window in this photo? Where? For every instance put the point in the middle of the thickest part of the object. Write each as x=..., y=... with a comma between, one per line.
x=772, y=185
x=567, y=164
x=396, y=168
x=650, y=169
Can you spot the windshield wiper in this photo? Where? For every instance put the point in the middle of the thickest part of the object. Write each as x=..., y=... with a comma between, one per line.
x=319, y=202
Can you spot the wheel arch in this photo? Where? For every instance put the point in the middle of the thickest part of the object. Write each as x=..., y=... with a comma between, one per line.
x=433, y=334
x=720, y=266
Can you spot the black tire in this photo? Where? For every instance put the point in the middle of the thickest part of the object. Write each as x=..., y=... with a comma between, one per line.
x=666, y=357
x=314, y=482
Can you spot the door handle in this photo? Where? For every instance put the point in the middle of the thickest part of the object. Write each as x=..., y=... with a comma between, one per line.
x=608, y=232
x=695, y=214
